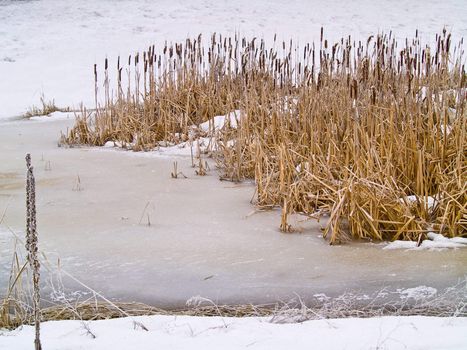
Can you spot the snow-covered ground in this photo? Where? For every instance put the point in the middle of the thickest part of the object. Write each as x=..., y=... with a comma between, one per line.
x=205, y=333
x=49, y=46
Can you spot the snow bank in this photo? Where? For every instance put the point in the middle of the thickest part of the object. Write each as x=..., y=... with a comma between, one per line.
x=184, y=332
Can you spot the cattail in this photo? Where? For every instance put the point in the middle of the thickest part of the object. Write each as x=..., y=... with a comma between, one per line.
x=31, y=247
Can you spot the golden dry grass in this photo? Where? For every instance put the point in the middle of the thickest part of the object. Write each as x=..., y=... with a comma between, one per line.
x=448, y=303
x=46, y=108
x=350, y=130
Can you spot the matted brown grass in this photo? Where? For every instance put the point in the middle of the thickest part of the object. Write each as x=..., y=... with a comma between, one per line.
x=448, y=303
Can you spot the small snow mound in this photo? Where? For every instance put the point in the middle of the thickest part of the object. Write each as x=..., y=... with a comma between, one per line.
x=186, y=148
x=435, y=241
x=429, y=201
x=109, y=144
x=54, y=116
x=401, y=245
x=302, y=167
x=112, y=144
x=221, y=121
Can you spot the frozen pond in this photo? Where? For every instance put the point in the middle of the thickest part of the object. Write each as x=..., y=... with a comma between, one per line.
x=201, y=240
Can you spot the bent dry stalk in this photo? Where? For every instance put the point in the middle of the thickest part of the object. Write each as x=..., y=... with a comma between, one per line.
x=31, y=246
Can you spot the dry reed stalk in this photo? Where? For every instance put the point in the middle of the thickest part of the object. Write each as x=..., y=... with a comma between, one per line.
x=13, y=311
x=31, y=247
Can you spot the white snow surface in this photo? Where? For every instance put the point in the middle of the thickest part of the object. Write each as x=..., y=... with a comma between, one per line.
x=53, y=117
x=435, y=241
x=221, y=121
x=165, y=149
x=205, y=333
x=427, y=201
x=50, y=46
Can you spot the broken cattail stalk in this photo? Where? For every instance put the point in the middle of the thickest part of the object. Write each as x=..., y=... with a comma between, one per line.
x=31, y=246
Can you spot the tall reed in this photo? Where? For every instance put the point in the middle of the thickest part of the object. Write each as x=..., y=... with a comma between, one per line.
x=31, y=247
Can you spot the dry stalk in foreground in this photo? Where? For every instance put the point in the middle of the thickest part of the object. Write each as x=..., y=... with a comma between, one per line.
x=372, y=132
x=31, y=247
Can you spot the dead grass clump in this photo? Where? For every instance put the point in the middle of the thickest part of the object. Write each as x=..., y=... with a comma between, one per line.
x=447, y=303
x=46, y=108
x=14, y=309
x=372, y=133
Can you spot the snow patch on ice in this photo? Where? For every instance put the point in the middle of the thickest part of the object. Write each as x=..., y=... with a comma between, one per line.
x=435, y=241
x=111, y=144
x=401, y=245
x=165, y=149
x=417, y=293
x=53, y=117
